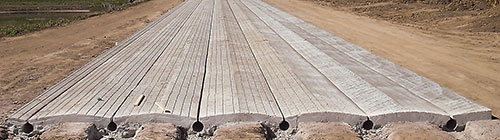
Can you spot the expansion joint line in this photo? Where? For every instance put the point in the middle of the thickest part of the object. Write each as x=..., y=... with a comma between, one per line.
x=260, y=67
x=206, y=61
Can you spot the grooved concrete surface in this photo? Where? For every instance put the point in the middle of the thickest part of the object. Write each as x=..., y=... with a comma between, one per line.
x=242, y=60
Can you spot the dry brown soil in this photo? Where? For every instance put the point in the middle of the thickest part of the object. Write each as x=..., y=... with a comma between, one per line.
x=71, y=131
x=325, y=131
x=31, y=63
x=414, y=131
x=244, y=130
x=465, y=61
x=159, y=131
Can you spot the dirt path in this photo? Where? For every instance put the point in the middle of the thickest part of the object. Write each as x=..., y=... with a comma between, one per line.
x=467, y=63
x=31, y=63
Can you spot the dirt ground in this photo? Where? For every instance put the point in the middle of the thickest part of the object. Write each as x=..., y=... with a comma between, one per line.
x=468, y=62
x=31, y=63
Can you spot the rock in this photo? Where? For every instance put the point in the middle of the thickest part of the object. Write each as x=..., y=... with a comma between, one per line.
x=415, y=130
x=4, y=133
x=128, y=133
x=240, y=131
x=329, y=130
x=483, y=130
x=71, y=131
x=13, y=130
x=160, y=131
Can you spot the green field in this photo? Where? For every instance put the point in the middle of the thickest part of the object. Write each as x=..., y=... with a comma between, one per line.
x=61, y=2
x=21, y=23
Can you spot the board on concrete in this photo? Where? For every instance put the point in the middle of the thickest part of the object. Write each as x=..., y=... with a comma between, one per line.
x=218, y=61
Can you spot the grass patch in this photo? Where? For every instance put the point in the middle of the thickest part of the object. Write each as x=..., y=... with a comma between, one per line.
x=25, y=28
x=62, y=2
x=21, y=23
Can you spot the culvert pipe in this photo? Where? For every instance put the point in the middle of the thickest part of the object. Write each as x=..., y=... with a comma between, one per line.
x=367, y=125
x=450, y=125
x=27, y=128
x=112, y=126
x=197, y=126
x=284, y=125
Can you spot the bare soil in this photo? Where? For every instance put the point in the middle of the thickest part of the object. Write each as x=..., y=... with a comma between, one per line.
x=31, y=63
x=160, y=131
x=251, y=130
x=462, y=15
x=325, y=131
x=414, y=131
x=71, y=131
x=447, y=49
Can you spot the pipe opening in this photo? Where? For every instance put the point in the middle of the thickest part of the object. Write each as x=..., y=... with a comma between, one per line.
x=111, y=126
x=494, y=117
x=27, y=128
x=284, y=125
x=197, y=126
x=451, y=124
x=367, y=125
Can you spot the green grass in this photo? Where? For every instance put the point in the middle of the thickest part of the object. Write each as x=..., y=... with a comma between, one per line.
x=62, y=2
x=25, y=28
x=21, y=23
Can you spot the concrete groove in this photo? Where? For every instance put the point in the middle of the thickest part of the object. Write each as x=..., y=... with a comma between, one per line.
x=218, y=61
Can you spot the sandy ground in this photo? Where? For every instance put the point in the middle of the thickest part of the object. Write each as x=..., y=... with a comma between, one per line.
x=325, y=131
x=467, y=63
x=31, y=63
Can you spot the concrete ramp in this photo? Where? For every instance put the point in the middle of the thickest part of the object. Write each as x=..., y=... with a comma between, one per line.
x=218, y=61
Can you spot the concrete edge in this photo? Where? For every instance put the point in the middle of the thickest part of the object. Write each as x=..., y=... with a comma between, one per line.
x=463, y=118
x=409, y=116
x=184, y=121
x=351, y=119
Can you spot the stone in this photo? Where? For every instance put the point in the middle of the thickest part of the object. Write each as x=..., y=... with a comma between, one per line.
x=128, y=133
x=4, y=133
x=414, y=130
x=160, y=131
x=247, y=130
x=327, y=131
x=72, y=131
x=483, y=130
